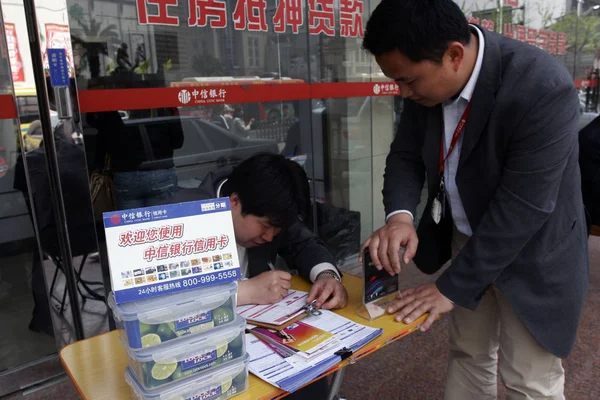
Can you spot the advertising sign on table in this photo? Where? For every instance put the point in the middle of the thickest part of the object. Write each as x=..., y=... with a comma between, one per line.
x=166, y=249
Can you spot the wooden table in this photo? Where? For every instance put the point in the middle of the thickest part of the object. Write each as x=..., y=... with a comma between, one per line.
x=96, y=365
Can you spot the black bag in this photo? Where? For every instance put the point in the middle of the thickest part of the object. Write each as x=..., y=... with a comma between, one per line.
x=340, y=230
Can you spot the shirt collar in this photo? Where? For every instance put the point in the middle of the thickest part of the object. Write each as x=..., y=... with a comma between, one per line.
x=469, y=88
x=220, y=187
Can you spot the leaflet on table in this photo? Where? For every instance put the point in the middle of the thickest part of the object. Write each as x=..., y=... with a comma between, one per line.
x=291, y=373
x=165, y=249
x=299, y=338
x=275, y=314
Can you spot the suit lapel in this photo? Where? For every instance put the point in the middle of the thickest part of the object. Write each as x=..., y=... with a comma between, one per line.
x=484, y=95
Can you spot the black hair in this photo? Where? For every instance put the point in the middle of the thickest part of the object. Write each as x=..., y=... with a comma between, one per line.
x=269, y=185
x=418, y=29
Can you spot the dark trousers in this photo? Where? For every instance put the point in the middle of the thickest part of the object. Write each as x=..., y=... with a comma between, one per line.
x=41, y=319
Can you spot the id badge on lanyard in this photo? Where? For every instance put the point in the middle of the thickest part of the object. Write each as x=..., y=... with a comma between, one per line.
x=438, y=207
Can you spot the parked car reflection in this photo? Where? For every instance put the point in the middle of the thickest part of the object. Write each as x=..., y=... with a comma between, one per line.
x=206, y=146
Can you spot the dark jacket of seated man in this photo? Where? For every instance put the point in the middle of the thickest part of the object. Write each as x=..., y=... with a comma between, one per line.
x=269, y=198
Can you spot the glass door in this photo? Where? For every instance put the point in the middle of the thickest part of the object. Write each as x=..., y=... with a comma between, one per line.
x=51, y=282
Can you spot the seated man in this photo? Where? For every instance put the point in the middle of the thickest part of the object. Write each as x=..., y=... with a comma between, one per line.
x=269, y=199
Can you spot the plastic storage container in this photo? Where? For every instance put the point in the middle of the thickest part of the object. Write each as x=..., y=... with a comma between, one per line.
x=153, y=321
x=217, y=384
x=159, y=365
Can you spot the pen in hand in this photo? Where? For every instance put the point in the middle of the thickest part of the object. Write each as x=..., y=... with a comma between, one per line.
x=272, y=268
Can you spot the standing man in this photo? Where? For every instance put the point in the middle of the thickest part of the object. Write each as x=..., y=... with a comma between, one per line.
x=492, y=123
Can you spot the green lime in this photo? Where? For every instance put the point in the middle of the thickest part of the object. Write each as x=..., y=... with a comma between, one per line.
x=165, y=332
x=237, y=343
x=178, y=374
x=221, y=349
x=160, y=372
x=198, y=328
x=226, y=385
x=146, y=329
x=151, y=339
x=240, y=380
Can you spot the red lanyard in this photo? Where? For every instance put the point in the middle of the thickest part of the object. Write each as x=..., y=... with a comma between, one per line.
x=460, y=127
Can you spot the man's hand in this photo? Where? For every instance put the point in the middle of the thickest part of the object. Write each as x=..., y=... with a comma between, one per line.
x=412, y=303
x=384, y=244
x=329, y=293
x=266, y=288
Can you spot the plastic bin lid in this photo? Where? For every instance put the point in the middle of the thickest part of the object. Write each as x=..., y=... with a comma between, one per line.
x=187, y=387
x=157, y=310
x=188, y=346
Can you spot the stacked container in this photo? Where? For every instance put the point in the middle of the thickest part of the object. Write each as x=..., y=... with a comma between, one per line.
x=184, y=345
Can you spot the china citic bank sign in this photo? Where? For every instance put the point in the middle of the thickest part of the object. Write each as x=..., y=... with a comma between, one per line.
x=251, y=15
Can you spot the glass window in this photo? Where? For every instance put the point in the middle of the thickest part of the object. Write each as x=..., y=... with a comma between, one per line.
x=219, y=138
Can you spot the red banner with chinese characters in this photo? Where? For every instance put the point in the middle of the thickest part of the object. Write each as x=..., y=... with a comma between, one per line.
x=511, y=3
x=562, y=43
x=251, y=15
x=16, y=64
x=185, y=94
x=553, y=42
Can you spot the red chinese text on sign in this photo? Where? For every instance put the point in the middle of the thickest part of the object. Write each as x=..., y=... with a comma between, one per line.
x=201, y=11
x=223, y=241
x=562, y=43
x=140, y=236
x=543, y=40
x=509, y=31
x=250, y=14
x=321, y=17
x=521, y=33
x=177, y=231
x=211, y=243
x=532, y=36
x=351, y=24
x=175, y=250
x=488, y=24
x=162, y=18
x=552, y=42
x=126, y=239
x=289, y=12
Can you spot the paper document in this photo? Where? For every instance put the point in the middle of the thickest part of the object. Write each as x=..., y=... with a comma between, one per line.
x=292, y=372
x=275, y=314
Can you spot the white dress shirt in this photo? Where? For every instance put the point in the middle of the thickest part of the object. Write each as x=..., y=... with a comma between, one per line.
x=453, y=111
x=243, y=257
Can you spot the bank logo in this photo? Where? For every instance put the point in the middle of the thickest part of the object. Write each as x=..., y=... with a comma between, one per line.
x=184, y=97
x=376, y=89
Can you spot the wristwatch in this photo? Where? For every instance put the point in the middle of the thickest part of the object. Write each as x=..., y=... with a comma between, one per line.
x=331, y=273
